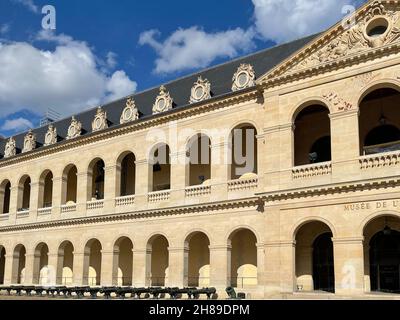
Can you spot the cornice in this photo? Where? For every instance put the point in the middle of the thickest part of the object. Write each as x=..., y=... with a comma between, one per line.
x=150, y=213
x=331, y=189
x=195, y=109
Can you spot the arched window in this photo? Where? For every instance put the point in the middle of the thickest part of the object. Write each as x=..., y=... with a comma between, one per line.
x=161, y=171
x=92, y=263
x=24, y=194
x=46, y=190
x=18, y=265
x=5, y=193
x=41, y=270
x=96, y=169
x=69, y=185
x=198, y=260
x=312, y=136
x=123, y=262
x=199, y=158
x=243, y=145
x=127, y=174
x=65, y=265
x=158, y=261
x=379, y=123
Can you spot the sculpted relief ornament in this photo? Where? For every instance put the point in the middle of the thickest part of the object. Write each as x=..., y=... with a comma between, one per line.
x=339, y=103
x=75, y=129
x=10, y=149
x=378, y=27
x=29, y=142
x=100, y=120
x=163, y=102
x=130, y=112
x=201, y=90
x=244, y=77
x=51, y=136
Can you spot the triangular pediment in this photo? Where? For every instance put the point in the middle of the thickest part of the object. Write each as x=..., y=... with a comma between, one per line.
x=372, y=30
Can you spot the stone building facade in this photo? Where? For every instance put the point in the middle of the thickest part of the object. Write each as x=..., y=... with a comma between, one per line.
x=116, y=196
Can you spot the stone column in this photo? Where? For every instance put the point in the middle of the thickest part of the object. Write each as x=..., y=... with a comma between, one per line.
x=178, y=177
x=260, y=264
x=261, y=167
x=58, y=198
x=178, y=260
x=287, y=266
x=14, y=200
x=110, y=187
x=8, y=269
x=345, y=152
x=220, y=171
x=108, y=266
x=143, y=183
x=84, y=181
x=349, y=266
x=220, y=266
x=141, y=267
x=52, y=269
x=30, y=272
x=34, y=200
x=80, y=271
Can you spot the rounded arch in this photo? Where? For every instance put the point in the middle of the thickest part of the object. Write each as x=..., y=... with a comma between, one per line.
x=244, y=123
x=65, y=243
x=118, y=240
x=237, y=229
x=23, y=178
x=67, y=168
x=4, y=183
x=305, y=103
x=5, y=196
x=93, y=262
x=154, y=236
x=96, y=170
x=376, y=215
x=89, y=242
x=156, y=147
x=385, y=83
x=122, y=261
x=65, y=263
x=122, y=155
x=302, y=222
x=92, y=162
x=24, y=193
x=44, y=173
x=69, y=184
x=192, y=232
x=46, y=189
x=18, y=265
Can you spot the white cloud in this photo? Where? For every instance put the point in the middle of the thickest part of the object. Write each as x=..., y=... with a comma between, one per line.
x=111, y=60
x=29, y=4
x=4, y=28
x=66, y=79
x=191, y=48
x=15, y=125
x=285, y=20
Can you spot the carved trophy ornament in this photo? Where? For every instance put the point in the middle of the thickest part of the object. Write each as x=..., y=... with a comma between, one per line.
x=100, y=120
x=29, y=142
x=75, y=129
x=51, y=136
x=163, y=102
x=378, y=27
x=130, y=112
x=10, y=149
x=244, y=77
x=201, y=90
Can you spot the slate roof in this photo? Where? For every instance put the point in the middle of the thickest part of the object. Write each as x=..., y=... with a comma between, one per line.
x=220, y=77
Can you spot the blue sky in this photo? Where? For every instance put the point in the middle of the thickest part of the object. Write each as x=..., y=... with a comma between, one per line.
x=102, y=50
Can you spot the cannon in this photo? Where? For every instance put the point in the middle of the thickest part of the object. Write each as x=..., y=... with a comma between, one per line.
x=121, y=292
x=156, y=292
x=8, y=289
x=93, y=291
x=195, y=293
x=28, y=290
x=107, y=291
x=17, y=289
x=80, y=291
x=139, y=291
x=231, y=293
x=66, y=292
x=40, y=290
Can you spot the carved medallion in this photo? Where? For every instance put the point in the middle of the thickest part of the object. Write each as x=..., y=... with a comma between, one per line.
x=75, y=129
x=29, y=142
x=51, y=136
x=201, y=90
x=10, y=149
x=244, y=77
x=163, y=102
x=130, y=112
x=100, y=120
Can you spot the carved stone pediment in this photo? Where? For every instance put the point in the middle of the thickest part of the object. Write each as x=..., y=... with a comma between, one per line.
x=163, y=102
x=100, y=120
x=244, y=77
x=377, y=25
x=51, y=136
x=29, y=142
x=130, y=112
x=201, y=90
x=75, y=129
x=10, y=149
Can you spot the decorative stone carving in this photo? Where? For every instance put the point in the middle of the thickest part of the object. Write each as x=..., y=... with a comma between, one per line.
x=163, y=102
x=10, y=149
x=362, y=80
x=244, y=77
x=100, y=120
x=201, y=90
x=130, y=112
x=29, y=142
x=357, y=38
x=51, y=136
x=75, y=129
x=339, y=103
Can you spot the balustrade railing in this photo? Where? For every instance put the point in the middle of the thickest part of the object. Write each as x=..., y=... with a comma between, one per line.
x=312, y=170
x=197, y=191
